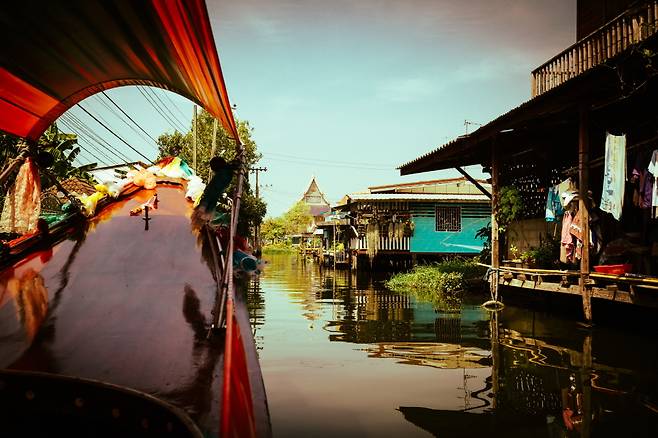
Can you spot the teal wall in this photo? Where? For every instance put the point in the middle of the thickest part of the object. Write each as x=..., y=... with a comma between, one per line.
x=426, y=239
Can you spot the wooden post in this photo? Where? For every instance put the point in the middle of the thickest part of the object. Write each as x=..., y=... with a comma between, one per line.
x=495, y=358
x=586, y=382
x=583, y=210
x=334, y=240
x=495, y=247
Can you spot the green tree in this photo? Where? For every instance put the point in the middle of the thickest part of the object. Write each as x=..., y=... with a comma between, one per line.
x=297, y=219
x=180, y=144
x=62, y=146
x=64, y=149
x=273, y=230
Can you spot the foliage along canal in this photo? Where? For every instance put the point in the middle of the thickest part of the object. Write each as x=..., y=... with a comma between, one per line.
x=343, y=356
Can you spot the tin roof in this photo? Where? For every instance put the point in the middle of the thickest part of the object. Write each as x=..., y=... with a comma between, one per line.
x=416, y=197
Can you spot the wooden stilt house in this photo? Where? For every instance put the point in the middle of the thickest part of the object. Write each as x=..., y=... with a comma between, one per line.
x=587, y=137
x=419, y=219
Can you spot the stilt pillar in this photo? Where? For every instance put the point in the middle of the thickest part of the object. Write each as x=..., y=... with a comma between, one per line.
x=495, y=245
x=583, y=211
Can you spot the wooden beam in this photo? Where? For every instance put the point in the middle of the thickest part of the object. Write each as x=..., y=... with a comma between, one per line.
x=583, y=209
x=495, y=247
x=474, y=181
x=596, y=292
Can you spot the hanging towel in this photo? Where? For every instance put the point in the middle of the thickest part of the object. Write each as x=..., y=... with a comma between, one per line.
x=653, y=170
x=23, y=201
x=614, y=176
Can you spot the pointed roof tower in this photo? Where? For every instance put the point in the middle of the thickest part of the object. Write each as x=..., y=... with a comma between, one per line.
x=315, y=199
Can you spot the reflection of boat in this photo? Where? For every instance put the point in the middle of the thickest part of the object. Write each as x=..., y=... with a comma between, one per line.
x=104, y=334
x=453, y=424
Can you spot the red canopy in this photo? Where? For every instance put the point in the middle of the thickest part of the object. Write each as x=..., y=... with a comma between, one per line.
x=55, y=54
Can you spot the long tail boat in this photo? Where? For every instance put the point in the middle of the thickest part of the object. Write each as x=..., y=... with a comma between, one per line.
x=115, y=324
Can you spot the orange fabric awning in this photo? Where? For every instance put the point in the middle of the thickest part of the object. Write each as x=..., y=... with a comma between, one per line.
x=55, y=54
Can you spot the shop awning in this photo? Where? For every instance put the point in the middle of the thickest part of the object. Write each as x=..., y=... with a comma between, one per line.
x=55, y=54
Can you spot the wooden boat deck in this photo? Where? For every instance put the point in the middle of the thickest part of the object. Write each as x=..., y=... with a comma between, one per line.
x=122, y=305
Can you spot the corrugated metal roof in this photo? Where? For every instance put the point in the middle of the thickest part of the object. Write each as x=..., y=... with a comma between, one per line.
x=450, y=144
x=424, y=183
x=416, y=197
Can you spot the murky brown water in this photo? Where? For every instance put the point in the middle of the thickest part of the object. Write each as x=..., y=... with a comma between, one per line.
x=342, y=356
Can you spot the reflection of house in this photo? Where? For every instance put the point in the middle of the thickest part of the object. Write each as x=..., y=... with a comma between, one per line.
x=606, y=83
x=426, y=217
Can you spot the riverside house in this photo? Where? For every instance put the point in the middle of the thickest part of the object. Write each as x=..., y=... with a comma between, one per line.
x=580, y=159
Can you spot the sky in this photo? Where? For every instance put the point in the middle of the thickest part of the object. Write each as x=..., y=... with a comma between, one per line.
x=346, y=91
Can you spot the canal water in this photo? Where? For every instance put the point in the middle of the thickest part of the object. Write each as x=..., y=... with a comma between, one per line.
x=342, y=356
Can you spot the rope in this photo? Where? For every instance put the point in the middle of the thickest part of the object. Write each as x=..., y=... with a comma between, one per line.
x=493, y=304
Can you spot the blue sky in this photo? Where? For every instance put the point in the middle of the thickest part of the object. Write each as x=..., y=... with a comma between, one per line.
x=348, y=90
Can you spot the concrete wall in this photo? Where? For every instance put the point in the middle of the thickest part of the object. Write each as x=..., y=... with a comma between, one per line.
x=427, y=240
x=526, y=233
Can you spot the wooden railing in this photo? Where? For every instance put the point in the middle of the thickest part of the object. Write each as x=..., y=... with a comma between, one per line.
x=631, y=27
x=385, y=244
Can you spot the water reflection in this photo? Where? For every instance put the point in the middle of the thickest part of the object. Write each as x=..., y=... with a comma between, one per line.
x=370, y=362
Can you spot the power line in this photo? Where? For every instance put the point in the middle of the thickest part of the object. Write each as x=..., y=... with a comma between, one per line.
x=339, y=165
x=129, y=118
x=165, y=106
x=175, y=106
x=114, y=112
x=113, y=133
x=76, y=122
x=348, y=163
x=67, y=122
x=158, y=110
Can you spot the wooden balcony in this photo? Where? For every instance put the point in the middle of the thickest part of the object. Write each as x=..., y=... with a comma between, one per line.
x=631, y=27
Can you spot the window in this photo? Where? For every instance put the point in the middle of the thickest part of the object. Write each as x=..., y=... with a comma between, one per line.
x=449, y=219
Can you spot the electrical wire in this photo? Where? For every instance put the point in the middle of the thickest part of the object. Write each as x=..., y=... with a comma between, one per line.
x=175, y=106
x=159, y=111
x=129, y=118
x=86, y=130
x=70, y=126
x=164, y=105
x=327, y=164
x=113, y=133
x=379, y=166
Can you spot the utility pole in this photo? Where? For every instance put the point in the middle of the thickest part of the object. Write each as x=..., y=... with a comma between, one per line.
x=194, y=139
x=256, y=170
x=257, y=227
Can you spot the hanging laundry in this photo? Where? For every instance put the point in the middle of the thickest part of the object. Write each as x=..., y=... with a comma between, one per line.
x=653, y=170
x=566, y=186
x=553, y=205
x=566, y=240
x=23, y=201
x=576, y=231
x=614, y=176
x=644, y=188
